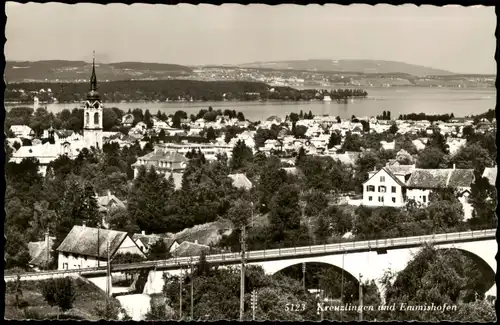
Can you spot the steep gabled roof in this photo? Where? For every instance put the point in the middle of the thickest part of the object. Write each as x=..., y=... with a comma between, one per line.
x=83, y=241
x=38, y=252
x=441, y=178
x=241, y=181
x=390, y=173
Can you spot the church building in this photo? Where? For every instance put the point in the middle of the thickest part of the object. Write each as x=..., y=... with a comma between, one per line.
x=92, y=127
x=70, y=146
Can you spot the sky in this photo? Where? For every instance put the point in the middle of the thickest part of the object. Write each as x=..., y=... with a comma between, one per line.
x=453, y=38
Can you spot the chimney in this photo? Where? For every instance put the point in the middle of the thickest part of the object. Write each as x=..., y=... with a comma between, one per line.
x=454, y=166
x=47, y=238
x=143, y=233
x=109, y=194
x=196, y=241
x=84, y=224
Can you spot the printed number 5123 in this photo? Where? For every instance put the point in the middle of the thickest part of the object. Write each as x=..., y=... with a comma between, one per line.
x=295, y=307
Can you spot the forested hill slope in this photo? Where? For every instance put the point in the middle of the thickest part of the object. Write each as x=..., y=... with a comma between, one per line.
x=75, y=71
x=361, y=66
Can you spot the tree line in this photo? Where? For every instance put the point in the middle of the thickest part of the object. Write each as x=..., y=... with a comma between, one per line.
x=163, y=90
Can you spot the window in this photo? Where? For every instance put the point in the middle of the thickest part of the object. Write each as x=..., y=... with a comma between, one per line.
x=87, y=119
x=424, y=198
x=382, y=178
x=381, y=199
x=85, y=258
x=393, y=200
x=369, y=198
x=393, y=189
x=370, y=188
x=96, y=118
x=381, y=189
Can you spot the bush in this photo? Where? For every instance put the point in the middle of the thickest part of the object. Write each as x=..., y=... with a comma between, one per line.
x=59, y=292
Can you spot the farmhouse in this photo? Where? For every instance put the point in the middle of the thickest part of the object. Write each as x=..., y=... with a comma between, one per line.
x=89, y=247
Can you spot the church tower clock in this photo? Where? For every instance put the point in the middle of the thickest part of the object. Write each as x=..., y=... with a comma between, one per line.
x=92, y=125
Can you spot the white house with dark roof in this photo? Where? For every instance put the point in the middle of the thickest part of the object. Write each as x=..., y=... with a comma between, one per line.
x=386, y=187
x=164, y=161
x=395, y=185
x=87, y=247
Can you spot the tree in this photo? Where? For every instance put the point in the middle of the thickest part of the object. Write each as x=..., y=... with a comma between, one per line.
x=393, y=129
x=211, y=134
x=438, y=277
x=438, y=141
x=240, y=212
x=472, y=156
x=366, y=126
x=59, y=292
x=285, y=210
x=335, y=140
x=241, y=155
x=240, y=117
x=148, y=119
x=432, y=158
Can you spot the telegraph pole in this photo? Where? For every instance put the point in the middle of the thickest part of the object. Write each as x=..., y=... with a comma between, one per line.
x=108, y=277
x=254, y=303
x=360, y=297
x=98, y=257
x=342, y=288
x=191, y=263
x=180, y=296
x=242, y=280
x=304, y=276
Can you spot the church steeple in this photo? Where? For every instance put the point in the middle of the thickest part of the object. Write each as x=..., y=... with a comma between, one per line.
x=93, y=78
x=93, y=95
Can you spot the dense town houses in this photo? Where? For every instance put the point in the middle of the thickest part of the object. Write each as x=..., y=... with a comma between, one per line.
x=69, y=145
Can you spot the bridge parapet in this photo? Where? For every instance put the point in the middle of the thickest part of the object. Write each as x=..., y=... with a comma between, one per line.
x=338, y=248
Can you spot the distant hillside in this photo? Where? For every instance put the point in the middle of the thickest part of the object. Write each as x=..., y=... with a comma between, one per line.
x=361, y=66
x=75, y=71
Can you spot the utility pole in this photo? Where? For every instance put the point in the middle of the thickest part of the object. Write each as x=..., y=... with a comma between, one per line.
x=342, y=288
x=304, y=276
x=360, y=297
x=108, y=277
x=242, y=280
x=98, y=257
x=192, y=274
x=254, y=303
x=47, y=239
x=180, y=295
x=251, y=203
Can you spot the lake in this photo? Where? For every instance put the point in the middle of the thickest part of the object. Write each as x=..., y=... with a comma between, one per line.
x=460, y=102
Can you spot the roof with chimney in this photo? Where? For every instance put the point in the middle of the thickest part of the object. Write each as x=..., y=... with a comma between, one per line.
x=39, y=252
x=84, y=240
x=108, y=200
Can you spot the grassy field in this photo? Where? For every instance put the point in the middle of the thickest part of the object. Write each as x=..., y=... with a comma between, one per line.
x=88, y=298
